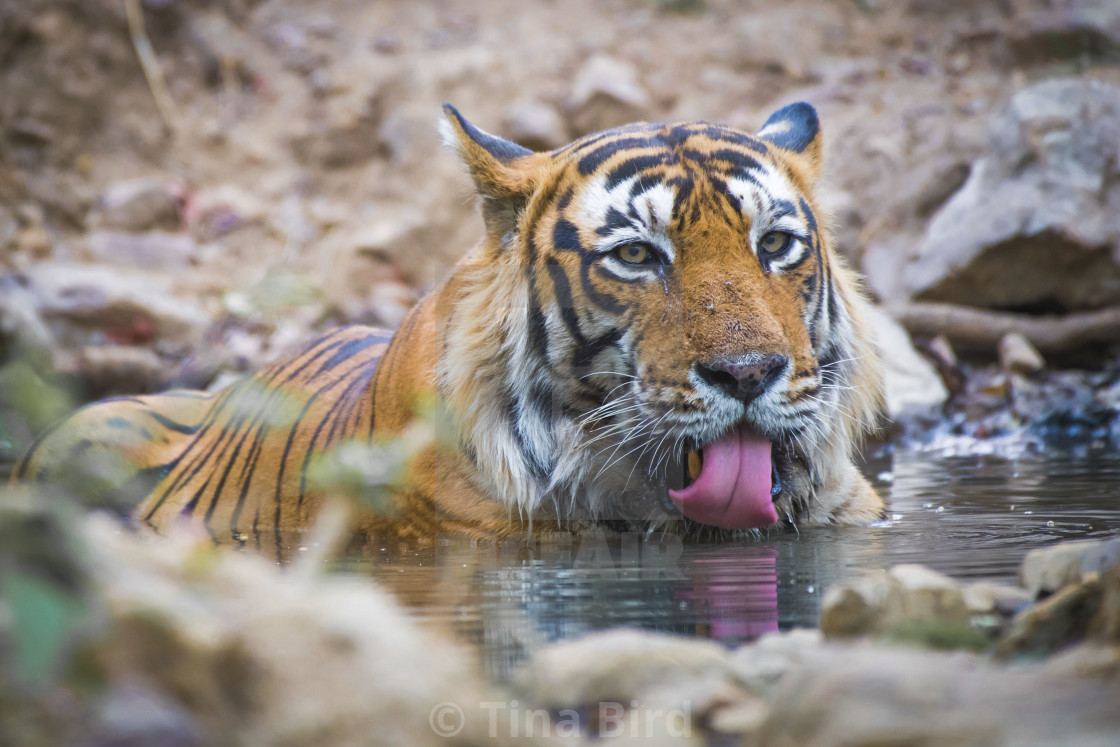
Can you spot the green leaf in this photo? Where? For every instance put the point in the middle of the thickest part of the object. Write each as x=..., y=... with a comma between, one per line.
x=44, y=618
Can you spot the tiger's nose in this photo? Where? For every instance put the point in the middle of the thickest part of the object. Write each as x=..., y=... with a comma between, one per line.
x=743, y=378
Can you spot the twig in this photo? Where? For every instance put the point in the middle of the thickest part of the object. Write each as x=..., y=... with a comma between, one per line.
x=150, y=63
x=981, y=329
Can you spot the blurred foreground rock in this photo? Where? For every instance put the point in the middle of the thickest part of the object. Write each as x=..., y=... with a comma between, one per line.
x=790, y=689
x=182, y=644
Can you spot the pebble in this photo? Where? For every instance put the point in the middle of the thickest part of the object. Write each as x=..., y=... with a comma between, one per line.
x=139, y=205
x=1018, y=356
x=155, y=250
x=880, y=600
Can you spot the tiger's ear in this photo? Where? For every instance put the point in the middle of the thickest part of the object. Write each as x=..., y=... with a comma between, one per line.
x=796, y=128
x=504, y=173
x=501, y=169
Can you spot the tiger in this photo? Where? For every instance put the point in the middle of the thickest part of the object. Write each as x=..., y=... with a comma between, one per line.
x=654, y=331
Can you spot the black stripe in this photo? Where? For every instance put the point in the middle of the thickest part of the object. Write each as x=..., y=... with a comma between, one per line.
x=585, y=354
x=565, y=237
x=604, y=301
x=264, y=407
x=389, y=359
x=635, y=165
x=596, y=158
x=538, y=329
x=614, y=221
x=351, y=348
x=247, y=473
x=172, y=425
x=736, y=160
x=335, y=410
x=278, y=513
x=724, y=134
x=184, y=476
x=784, y=208
x=304, y=360
x=562, y=290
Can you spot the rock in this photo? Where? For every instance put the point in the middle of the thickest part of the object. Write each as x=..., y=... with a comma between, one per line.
x=606, y=93
x=139, y=205
x=688, y=681
x=861, y=695
x=1078, y=30
x=345, y=129
x=1088, y=660
x=613, y=665
x=133, y=715
x=407, y=137
x=1038, y=220
x=125, y=307
x=911, y=381
x=762, y=664
x=1057, y=621
x=387, y=305
x=535, y=125
x=878, y=601
x=116, y=369
x=1106, y=626
x=213, y=213
x=392, y=232
x=191, y=645
x=985, y=598
x=9, y=228
x=22, y=330
x=152, y=251
x=1049, y=569
x=945, y=362
x=1017, y=355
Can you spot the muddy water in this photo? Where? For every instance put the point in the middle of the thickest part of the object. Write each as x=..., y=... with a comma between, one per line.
x=972, y=518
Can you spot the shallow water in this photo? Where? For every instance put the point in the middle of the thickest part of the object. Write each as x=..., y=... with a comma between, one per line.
x=970, y=517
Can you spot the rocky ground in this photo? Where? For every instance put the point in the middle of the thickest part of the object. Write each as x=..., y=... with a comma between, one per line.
x=191, y=189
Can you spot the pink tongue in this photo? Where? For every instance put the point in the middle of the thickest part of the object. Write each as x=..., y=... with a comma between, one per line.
x=733, y=489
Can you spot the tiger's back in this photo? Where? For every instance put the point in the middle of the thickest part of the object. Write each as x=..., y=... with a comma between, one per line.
x=237, y=461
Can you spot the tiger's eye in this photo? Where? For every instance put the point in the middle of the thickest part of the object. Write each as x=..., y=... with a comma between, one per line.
x=634, y=253
x=774, y=242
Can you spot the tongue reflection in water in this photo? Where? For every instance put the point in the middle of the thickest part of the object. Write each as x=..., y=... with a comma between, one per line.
x=733, y=488
x=738, y=586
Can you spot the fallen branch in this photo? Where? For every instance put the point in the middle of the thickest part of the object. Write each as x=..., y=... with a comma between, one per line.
x=150, y=63
x=979, y=329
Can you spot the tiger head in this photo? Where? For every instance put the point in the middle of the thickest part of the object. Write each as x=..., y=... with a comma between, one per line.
x=655, y=325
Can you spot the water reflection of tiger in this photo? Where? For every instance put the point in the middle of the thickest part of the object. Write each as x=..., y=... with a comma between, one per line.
x=654, y=325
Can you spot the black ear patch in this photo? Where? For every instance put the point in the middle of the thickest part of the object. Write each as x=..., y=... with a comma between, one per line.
x=499, y=148
x=792, y=127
